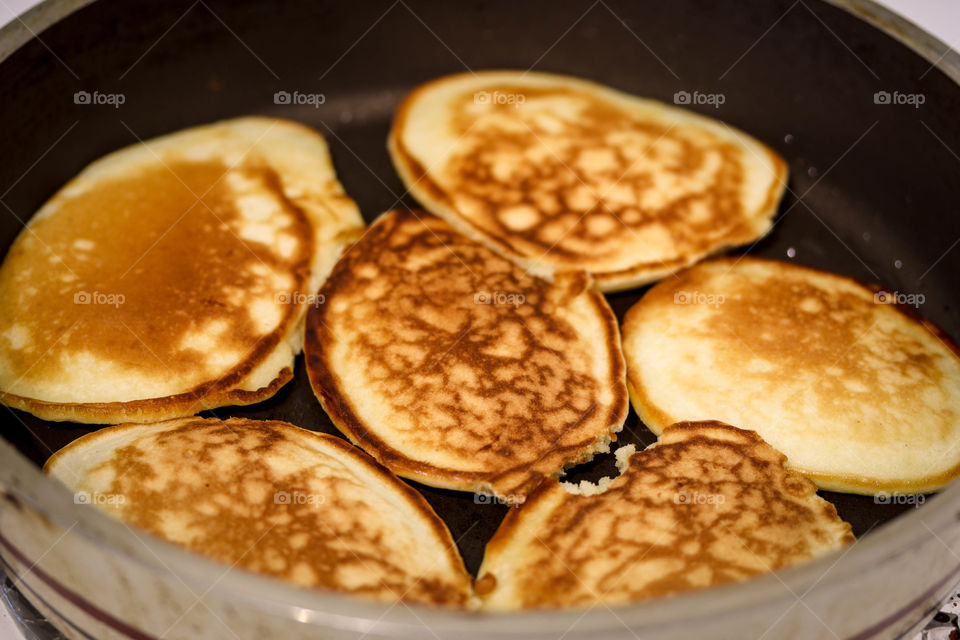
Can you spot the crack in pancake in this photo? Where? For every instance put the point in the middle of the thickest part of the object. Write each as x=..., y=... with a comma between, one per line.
x=574, y=175
x=275, y=499
x=451, y=391
x=861, y=396
x=707, y=504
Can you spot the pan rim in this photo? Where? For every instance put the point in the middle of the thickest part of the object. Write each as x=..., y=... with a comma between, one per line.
x=47, y=497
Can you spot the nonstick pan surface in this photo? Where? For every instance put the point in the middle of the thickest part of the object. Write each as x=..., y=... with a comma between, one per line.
x=874, y=184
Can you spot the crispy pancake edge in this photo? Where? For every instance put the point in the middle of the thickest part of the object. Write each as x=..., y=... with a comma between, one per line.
x=209, y=396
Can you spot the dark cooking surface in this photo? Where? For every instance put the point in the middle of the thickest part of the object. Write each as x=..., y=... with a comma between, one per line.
x=878, y=183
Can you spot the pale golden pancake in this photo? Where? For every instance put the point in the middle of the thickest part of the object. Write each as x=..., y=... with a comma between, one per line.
x=705, y=505
x=272, y=498
x=860, y=395
x=557, y=173
x=172, y=276
x=453, y=368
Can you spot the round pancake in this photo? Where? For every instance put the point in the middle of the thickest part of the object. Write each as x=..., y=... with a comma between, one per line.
x=860, y=395
x=171, y=276
x=557, y=173
x=272, y=498
x=453, y=368
x=705, y=505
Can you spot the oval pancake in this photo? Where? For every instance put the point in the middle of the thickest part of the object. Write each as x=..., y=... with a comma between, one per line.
x=705, y=505
x=453, y=368
x=557, y=173
x=861, y=396
x=171, y=276
x=270, y=497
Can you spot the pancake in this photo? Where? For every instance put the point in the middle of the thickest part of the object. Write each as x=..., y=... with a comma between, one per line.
x=272, y=498
x=171, y=276
x=707, y=504
x=451, y=367
x=557, y=173
x=860, y=395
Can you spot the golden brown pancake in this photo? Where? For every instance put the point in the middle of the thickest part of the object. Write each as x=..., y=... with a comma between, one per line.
x=272, y=498
x=171, y=276
x=557, y=173
x=453, y=368
x=705, y=505
x=862, y=396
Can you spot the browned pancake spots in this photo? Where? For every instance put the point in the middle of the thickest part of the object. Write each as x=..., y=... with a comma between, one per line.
x=571, y=185
x=162, y=240
x=503, y=389
x=795, y=326
x=767, y=518
x=211, y=486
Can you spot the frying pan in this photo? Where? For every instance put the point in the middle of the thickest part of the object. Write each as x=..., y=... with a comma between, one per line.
x=872, y=194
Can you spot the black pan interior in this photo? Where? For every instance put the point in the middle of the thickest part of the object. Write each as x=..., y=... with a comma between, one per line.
x=873, y=191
